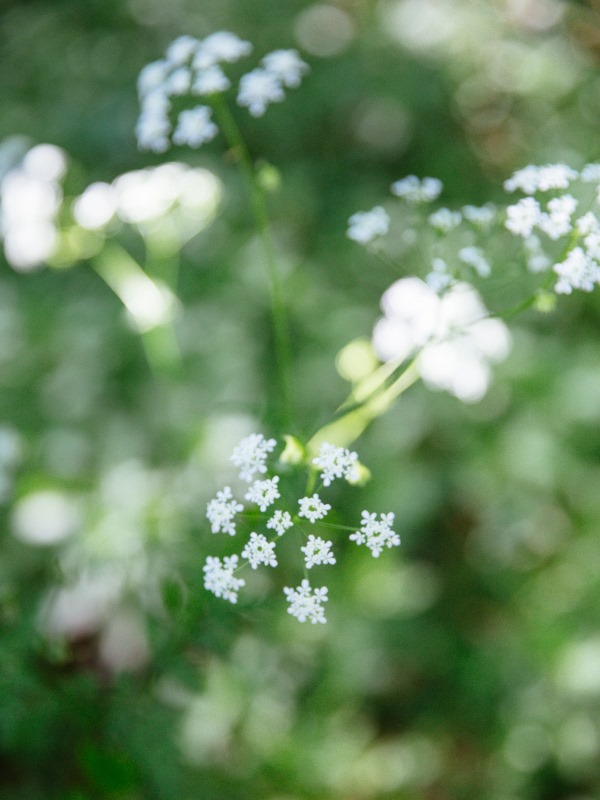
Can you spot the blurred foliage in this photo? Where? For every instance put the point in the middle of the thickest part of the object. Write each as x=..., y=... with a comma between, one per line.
x=466, y=665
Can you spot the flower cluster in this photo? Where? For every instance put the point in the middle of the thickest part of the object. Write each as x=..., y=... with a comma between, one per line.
x=577, y=264
x=250, y=456
x=194, y=68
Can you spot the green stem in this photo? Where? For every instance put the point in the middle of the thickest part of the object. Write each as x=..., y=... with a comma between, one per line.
x=261, y=218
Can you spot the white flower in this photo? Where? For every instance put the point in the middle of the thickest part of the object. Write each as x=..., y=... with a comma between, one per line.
x=533, y=179
x=557, y=222
x=156, y=102
x=152, y=76
x=474, y=257
x=251, y=454
x=257, y=89
x=588, y=223
x=286, y=66
x=414, y=190
x=219, y=579
x=280, y=522
x=537, y=260
x=152, y=132
x=181, y=50
x=479, y=215
x=376, y=534
x=445, y=220
x=439, y=278
x=312, y=508
x=365, y=226
x=317, y=551
x=263, y=493
x=211, y=81
x=259, y=551
x=195, y=127
x=179, y=81
x=336, y=462
x=306, y=603
x=220, y=46
x=577, y=271
x=590, y=173
x=523, y=217
x=221, y=511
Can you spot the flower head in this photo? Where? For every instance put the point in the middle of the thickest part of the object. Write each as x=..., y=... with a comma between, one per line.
x=313, y=508
x=414, y=190
x=219, y=578
x=336, y=462
x=251, y=454
x=306, y=603
x=259, y=551
x=195, y=127
x=280, y=522
x=263, y=493
x=286, y=66
x=258, y=89
x=317, y=551
x=365, y=226
x=221, y=512
x=376, y=534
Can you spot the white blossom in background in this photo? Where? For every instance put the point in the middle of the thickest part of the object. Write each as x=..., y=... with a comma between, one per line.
x=533, y=179
x=219, y=577
x=221, y=46
x=306, y=603
x=414, y=190
x=280, y=522
x=537, y=260
x=152, y=131
x=366, y=226
x=444, y=220
x=211, y=81
x=221, y=512
x=440, y=277
x=179, y=81
x=286, y=66
x=250, y=455
x=258, y=89
x=474, y=257
x=181, y=50
x=195, y=127
x=30, y=199
x=376, y=534
x=259, y=550
x=336, y=462
x=313, y=508
x=263, y=493
x=523, y=217
x=453, y=335
x=481, y=216
x=556, y=222
x=577, y=271
x=590, y=173
x=317, y=551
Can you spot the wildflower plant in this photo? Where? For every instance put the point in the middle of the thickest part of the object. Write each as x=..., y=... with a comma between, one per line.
x=285, y=517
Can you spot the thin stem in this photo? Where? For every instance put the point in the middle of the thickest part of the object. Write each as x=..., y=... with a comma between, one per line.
x=261, y=218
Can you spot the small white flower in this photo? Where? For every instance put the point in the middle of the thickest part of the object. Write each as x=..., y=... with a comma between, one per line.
x=474, y=257
x=439, y=278
x=181, y=50
x=482, y=216
x=211, y=81
x=317, y=551
x=533, y=179
x=152, y=132
x=258, y=89
x=219, y=578
x=376, y=534
x=557, y=222
x=414, y=190
x=195, y=127
x=263, y=493
x=444, y=220
x=306, y=603
x=336, y=462
x=280, y=522
x=590, y=173
x=523, y=217
x=259, y=551
x=537, y=260
x=220, y=46
x=221, y=511
x=588, y=223
x=179, y=81
x=577, y=271
x=156, y=103
x=365, y=226
x=286, y=66
x=312, y=508
x=251, y=454
x=152, y=76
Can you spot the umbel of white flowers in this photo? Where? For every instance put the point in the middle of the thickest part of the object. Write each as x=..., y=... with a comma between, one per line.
x=250, y=456
x=193, y=68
